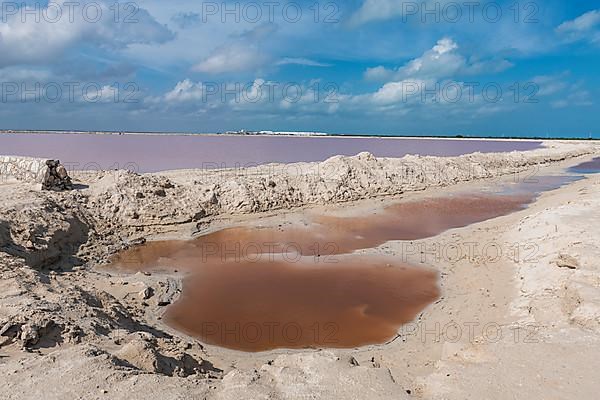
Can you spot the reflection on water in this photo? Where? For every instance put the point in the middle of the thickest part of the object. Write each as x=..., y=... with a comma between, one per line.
x=299, y=286
x=323, y=235
x=536, y=185
x=589, y=167
x=243, y=278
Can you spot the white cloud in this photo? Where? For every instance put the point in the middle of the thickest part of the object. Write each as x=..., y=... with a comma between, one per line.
x=379, y=73
x=46, y=34
x=242, y=53
x=442, y=61
x=186, y=19
x=577, y=98
x=407, y=89
x=233, y=57
x=380, y=10
x=584, y=27
x=422, y=99
x=185, y=90
x=374, y=10
x=549, y=85
x=396, y=92
x=302, y=61
x=561, y=92
x=429, y=82
x=574, y=95
x=17, y=74
x=258, y=97
x=247, y=52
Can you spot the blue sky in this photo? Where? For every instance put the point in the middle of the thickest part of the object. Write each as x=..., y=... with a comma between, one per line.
x=442, y=67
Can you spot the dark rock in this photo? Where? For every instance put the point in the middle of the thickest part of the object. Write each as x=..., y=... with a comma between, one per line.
x=56, y=177
x=137, y=242
x=199, y=215
x=146, y=293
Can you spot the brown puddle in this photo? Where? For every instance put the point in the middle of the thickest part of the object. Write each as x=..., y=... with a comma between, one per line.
x=277, y=304
x=324, y=236
x=256, y=289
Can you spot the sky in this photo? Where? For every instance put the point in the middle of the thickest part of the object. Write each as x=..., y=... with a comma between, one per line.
x=478, y=68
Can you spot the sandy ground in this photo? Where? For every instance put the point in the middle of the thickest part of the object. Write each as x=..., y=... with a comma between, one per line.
x=523, y=324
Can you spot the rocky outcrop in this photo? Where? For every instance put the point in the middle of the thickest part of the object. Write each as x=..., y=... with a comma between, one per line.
x=43, y=233
x=147, y=353
x=56, y=177
x=37, y=329
x=24, y=169
x=51, y=174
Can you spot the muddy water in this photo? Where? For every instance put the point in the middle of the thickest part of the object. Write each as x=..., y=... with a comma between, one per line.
x=278, y=304
x=323, y=236
x=299, y=286
x=290, y=286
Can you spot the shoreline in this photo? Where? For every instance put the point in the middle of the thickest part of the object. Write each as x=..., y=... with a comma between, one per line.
x=301, y=135
x=107, y=330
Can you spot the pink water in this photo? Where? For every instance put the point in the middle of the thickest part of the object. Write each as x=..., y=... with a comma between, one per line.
x=151, y=153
